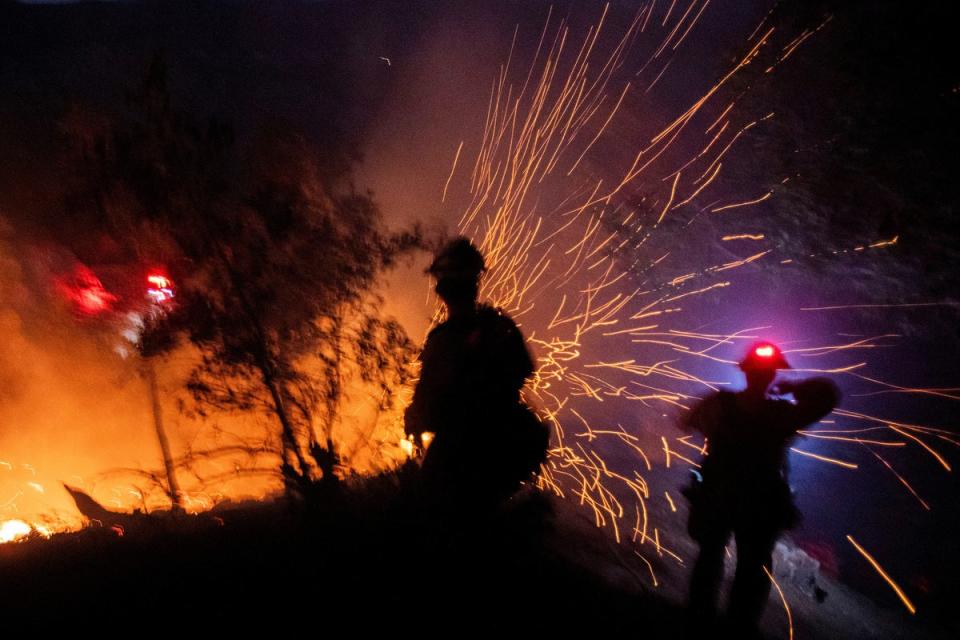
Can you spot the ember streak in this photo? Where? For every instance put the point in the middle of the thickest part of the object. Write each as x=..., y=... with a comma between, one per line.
x=603, y=179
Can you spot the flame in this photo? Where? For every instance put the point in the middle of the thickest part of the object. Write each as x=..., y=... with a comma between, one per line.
x=564, y=261
x=11, y=530
x=407, y=446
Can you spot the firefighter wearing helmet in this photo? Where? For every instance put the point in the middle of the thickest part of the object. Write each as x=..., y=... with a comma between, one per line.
x=474, y=363
x=742, y=487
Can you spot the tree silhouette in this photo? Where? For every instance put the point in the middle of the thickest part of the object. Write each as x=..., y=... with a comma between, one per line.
x=275, y=255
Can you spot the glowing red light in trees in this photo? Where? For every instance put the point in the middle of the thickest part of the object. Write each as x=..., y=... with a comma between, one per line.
x=161, y=282
x=87, y=293
x=161, y=289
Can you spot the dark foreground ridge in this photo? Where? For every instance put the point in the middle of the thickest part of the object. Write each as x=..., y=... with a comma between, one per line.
x=364, y=557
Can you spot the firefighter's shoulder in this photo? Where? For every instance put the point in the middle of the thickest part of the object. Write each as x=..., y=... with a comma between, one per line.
x=709, y=410
x=718, y=400
x=440, y=339
x=440, y=329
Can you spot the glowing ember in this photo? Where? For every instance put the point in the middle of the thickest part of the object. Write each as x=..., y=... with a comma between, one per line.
x=566, y=257
x=893, y=585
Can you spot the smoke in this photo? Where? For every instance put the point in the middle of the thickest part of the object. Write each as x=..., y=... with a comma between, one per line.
x=386, y=84
x=75, y=406
x=403, y=86
x=72, y=408
x=69, y=407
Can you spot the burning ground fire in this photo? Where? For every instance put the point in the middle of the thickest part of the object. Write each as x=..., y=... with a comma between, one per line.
x=592, y=265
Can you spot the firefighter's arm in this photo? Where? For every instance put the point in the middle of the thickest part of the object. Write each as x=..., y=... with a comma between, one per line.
x=703, y=416
x=816, y=397
x=416, y=418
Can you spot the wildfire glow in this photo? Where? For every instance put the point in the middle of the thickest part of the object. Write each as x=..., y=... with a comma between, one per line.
x=13, y=530
x=571, y=256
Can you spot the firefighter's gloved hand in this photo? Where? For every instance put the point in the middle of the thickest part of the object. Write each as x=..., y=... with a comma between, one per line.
x=817, y=390
x=783, y=387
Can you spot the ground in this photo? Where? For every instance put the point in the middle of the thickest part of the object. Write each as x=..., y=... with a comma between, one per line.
x=370, y=558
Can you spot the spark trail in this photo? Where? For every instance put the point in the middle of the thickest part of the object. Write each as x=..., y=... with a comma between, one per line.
x=575, y=250
x=589, y=256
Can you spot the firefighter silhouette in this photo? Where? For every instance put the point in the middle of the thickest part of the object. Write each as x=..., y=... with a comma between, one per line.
x=486, y=441
x=742, y=488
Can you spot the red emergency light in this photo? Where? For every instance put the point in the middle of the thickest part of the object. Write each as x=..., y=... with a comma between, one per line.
x=161, y=288
x=764, y=355
x=765, y=351
x=160, y=282
x=83, y=288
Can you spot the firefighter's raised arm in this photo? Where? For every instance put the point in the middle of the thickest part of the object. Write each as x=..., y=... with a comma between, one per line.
x=816, y=397
x=419, y=414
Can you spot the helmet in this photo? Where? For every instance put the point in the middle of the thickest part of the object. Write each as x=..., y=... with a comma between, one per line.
x=764, y=355
x=458, y=259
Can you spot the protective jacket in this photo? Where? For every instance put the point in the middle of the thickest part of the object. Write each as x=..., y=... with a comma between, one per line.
x=468, y=395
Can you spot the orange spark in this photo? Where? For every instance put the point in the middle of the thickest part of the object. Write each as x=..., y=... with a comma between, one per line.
x=841, y=463
x=903, y=597
x=783, y=599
